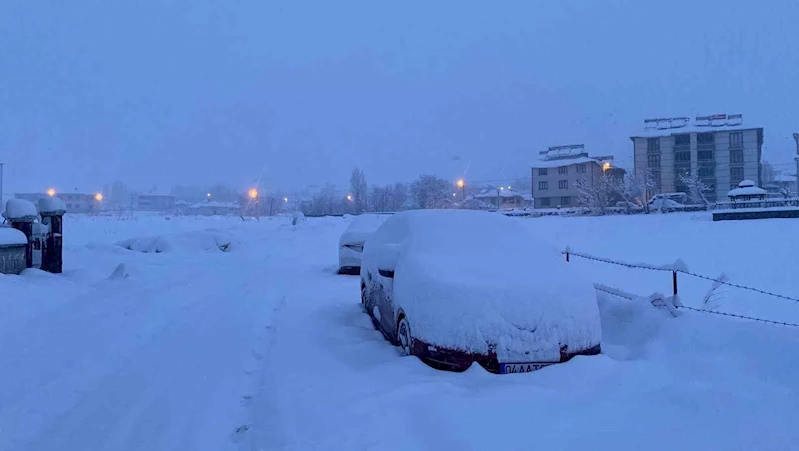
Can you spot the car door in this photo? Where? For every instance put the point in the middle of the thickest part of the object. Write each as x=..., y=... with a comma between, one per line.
x=385, y=302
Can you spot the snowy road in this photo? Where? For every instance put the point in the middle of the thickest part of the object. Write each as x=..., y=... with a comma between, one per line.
x=265, y=348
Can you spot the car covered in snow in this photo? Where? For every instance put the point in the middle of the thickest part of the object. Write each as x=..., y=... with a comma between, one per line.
x=454, y=287
x=350, y=245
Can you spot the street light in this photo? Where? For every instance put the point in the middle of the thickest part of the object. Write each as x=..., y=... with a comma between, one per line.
x=286, y=199
x=208, y=195
x=349, y=197
x=461, y=184
x=253, y=193
x=51, y=192
x=98, y=197
x=606, y=166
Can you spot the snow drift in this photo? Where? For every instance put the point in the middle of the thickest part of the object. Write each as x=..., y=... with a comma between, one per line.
x=207, y=240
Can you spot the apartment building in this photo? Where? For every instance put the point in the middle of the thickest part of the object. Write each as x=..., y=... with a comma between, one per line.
x=717, y=149
x=554, y=176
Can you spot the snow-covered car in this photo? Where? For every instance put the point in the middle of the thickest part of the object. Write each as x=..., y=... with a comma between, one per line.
x=669, y=201
x=455, y=287
x=350, y=245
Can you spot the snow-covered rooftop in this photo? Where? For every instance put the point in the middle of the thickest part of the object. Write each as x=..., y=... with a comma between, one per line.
x=215, y=204
x=784, y=178
x=544, y=164
x=747, y=191
x=492, y=193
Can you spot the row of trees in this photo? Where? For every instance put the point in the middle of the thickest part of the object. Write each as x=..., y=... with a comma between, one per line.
x=428, y=191
x=634, y=189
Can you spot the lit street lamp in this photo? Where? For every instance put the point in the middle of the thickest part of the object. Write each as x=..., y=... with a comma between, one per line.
x=98, y=197
x=286, y=199
x=461, y=184
x=51, y=192
x=253, y=193
x=208, y=195
x=349, y=197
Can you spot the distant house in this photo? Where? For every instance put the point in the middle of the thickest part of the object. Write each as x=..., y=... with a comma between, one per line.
x=502, y=198
x=556, y=174
x=212, y=207
x=75, y=202
x=781, y=182
x=153, y=202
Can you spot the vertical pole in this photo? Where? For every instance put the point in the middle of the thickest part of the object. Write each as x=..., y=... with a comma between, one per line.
x=796, y=138
x=674, y=281
x=567, y=256
x=2, y=204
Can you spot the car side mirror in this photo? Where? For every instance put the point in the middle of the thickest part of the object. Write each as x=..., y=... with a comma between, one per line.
x=386, y=273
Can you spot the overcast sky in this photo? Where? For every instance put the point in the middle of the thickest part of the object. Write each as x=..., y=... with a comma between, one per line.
x=165, y=92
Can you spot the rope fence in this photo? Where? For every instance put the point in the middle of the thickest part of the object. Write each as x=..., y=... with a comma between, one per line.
x=679, y=267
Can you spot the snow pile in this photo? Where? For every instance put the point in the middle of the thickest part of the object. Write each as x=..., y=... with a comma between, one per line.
x=361, y=228
x=17, y=209
x=297, y=217
x=468, y=280
x=52, y=205
x=208, y=240
x=12, y=237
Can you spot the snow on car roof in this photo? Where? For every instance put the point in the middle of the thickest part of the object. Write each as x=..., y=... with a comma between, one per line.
x=362, y=227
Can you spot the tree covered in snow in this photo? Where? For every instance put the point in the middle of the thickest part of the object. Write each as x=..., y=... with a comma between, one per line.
x=398, y=197
x=430, y=191
x=638, y=187
x=325, y=202
x=597, y=196
x=696, y=188
x=786, y=192
x=359, y=191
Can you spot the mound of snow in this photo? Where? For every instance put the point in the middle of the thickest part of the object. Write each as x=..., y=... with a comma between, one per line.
x=20, y=209
x=297, y=217
x=207, y=240
x=470, y=280
x=52, y=205
x=12, y=237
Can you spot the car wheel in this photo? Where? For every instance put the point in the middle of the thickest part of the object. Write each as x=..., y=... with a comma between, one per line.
x=363, y=295
x=404, y=337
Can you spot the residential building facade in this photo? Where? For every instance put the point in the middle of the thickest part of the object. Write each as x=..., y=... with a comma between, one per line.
x=555, y=176
x=717, y=149
x=154, y=202
x=75, y=202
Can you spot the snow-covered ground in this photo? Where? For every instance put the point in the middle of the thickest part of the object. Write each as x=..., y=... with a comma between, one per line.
x=239, y=335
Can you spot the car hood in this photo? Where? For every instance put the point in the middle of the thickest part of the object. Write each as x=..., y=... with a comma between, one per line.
x=526, y=311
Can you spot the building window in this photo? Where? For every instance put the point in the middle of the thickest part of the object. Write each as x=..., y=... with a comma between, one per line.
x=653, y=145
x=542, y=171
x=565, y=201
x=737, y=140
x=705, y=141
x=653, y=161
x=736, y=156
x=543, y=186
x=682, y=140
x=706, y=171
x=581, y=168
x=656, y=178
x=545, y=202
x=563, y=170
x=704, y=155
x=736, y=176
x=563, y=184
x=682, y=157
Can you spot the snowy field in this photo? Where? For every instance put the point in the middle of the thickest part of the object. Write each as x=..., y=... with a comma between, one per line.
x=219, y=334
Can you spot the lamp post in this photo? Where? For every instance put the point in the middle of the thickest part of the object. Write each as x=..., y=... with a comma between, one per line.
x=461, y=183
x=254, y=196
x=796, y=138
x=2, y=204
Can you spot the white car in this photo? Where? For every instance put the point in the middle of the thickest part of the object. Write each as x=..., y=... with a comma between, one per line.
x=455, y=287
x=350, y=245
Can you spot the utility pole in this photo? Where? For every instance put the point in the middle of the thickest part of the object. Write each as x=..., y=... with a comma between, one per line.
x=796, y=138
x=2, y=204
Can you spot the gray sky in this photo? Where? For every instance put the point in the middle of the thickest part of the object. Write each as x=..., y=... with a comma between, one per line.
x=165, y=92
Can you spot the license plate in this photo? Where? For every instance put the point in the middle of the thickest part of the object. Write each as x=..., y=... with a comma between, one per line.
x=511, y=368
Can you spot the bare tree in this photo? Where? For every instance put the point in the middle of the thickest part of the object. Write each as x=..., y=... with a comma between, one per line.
x=398, y=197
x=359, y=190
x=696, y=188
x=598, y=195
x=637, y=188
x=431, y=192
